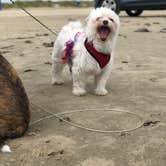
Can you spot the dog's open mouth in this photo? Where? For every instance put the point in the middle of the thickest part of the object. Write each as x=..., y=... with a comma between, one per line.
x=103, y=32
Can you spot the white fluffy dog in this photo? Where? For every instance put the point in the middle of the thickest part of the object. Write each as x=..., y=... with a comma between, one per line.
x=87, y=51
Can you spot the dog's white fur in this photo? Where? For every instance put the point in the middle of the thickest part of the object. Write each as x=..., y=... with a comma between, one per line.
x=83, y=63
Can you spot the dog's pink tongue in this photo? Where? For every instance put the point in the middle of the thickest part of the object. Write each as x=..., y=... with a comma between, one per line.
x=104, y=32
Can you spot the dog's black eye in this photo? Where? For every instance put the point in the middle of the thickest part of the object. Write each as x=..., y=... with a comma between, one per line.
x=111, y=19
x=98, y=18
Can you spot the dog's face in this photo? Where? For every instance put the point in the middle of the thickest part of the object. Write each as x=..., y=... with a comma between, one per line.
x=102, y=24
x=104, y=27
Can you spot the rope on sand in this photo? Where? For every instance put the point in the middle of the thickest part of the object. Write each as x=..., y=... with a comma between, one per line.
x=59, y=116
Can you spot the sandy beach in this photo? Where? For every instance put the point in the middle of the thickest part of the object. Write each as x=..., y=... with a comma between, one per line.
x=137, y=84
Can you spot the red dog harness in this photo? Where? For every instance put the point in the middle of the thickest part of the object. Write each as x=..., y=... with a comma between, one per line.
x=101, y=58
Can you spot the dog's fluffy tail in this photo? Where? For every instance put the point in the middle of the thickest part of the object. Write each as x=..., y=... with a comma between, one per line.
x=75, y=24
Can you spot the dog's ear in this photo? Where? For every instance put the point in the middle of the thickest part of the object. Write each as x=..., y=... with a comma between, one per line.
x=90, y=15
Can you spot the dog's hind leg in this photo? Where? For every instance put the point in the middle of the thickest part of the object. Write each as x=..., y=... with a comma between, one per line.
x=57, y=68
x=79, y=82
x=57, y=65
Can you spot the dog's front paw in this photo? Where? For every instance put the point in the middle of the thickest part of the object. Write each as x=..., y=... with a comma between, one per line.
x=101, y=92
x=79, y=91
x=57, y=81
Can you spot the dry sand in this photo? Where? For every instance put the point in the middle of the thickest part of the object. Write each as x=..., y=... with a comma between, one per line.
x=137, y=84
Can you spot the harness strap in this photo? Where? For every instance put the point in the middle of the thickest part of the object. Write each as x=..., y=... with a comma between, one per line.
x=101, y=58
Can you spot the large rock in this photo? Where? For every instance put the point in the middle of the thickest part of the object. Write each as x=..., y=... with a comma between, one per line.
x=14, y=103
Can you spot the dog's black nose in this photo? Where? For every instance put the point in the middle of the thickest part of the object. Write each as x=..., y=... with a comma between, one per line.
x=105, y=22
